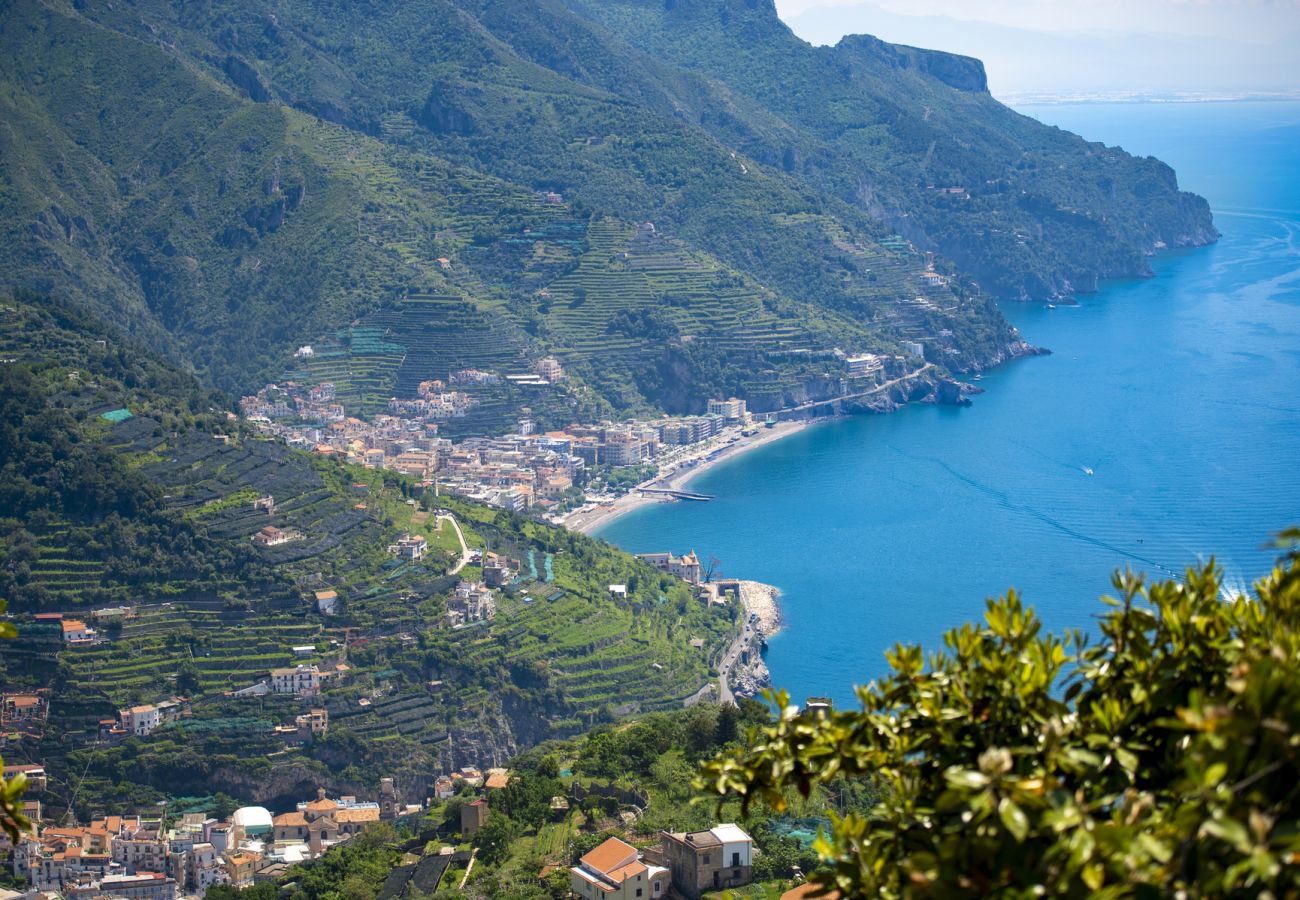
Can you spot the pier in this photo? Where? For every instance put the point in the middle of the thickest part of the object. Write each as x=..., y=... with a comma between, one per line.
x=678, y=495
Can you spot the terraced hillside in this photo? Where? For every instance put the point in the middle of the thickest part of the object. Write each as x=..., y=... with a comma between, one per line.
x=259, y=176
x=145, y=536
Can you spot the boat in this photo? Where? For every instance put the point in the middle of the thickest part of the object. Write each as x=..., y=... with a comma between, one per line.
x=1087, y=470
x=978, y=377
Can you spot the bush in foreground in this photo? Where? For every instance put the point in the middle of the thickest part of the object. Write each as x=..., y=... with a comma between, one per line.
x=1163, y=758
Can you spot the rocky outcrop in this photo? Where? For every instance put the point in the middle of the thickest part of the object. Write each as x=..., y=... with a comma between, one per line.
x=964, y=73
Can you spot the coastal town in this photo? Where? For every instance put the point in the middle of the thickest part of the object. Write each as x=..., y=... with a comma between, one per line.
x=575, y=475
x=184, y=854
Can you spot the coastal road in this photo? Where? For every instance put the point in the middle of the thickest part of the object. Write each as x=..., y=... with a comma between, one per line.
x=464, y=548
x=725, y=695
x=875, y=390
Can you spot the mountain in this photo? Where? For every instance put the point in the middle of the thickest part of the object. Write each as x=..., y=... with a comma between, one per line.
x=678, y=200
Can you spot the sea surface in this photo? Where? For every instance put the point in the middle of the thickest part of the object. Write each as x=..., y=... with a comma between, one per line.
x=1181, y=393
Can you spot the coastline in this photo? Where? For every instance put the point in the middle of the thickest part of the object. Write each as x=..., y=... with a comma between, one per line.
x=761, y=600
x=680, y=476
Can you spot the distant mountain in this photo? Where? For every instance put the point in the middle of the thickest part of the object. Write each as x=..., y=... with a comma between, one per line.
x=1025, y=61
x=677, y=199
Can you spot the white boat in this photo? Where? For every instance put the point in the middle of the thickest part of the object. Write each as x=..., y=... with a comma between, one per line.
x=1087, y=470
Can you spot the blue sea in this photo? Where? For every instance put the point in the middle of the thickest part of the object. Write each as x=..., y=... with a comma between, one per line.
x=1180, y=392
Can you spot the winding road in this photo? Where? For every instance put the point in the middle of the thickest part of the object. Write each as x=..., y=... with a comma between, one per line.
x=464, y=548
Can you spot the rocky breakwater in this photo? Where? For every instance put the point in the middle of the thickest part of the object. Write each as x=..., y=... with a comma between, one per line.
x=763, y=614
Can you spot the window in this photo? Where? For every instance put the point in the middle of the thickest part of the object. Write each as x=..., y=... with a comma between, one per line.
x=735, y=859
x=638, y=892
x=706, y=859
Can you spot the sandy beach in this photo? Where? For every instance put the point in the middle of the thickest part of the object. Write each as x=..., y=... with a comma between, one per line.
x=677, y=478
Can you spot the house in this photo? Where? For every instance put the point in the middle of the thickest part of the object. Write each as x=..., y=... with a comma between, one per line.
x=35, y=776
x=327, y=602
x=301, y=680
x=614, y=871
x=550, y=369
x=22, y=707
x=443, y=788
x=270, y=536
x=498, y=569
x=411, y=546
x=472, y=602
x=473, y=816
x=76, y=632
x=685, y=567
x=314, y=723
x=712, y=860
x=497, y=779
x=618, y=590
x=240, y=867
x=140, y=720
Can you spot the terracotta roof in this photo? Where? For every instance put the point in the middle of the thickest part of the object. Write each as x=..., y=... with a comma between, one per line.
x=631, y=870
x=610, y=855
x=323, y=805
x=498, y=780
x=292, y=818
x=364, y=814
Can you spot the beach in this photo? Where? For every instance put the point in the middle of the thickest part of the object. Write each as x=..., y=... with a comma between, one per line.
x=678, y=477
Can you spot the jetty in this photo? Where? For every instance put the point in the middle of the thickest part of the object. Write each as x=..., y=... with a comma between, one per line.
x=679, y=495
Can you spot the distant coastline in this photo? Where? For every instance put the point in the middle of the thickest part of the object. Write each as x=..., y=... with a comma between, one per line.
x=677, y=479
x=1053, y=98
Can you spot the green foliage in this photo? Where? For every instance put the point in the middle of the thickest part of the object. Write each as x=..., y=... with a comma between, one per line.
x=12, y=819
x=227, y=190
x=1162, y=759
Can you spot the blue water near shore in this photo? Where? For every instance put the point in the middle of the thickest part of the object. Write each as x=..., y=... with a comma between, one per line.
x=1180, y=392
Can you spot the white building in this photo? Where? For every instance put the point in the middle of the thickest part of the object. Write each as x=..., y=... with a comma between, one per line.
x=731, y=409
x=301, y=680
x=140, y=720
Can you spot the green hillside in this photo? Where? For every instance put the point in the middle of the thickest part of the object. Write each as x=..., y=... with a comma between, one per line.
x=231, y=180
x=125, y=484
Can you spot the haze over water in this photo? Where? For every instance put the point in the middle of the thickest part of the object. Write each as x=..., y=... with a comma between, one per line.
x=1181, y=393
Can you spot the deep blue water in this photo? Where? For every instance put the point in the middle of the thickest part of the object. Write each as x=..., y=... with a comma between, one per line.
x=1181, y=392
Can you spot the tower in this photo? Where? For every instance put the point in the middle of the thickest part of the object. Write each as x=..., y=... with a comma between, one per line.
x=387, y=800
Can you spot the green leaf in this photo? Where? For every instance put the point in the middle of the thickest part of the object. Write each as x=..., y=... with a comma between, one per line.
x=1014, y=819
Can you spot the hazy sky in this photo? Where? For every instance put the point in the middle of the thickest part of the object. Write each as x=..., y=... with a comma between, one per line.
x=1241, y=19
x=1073, y=47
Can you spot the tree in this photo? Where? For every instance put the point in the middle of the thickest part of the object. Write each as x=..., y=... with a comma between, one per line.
x=188, y=678
x=494, y=837
x=12, y=789
x=1163, y=759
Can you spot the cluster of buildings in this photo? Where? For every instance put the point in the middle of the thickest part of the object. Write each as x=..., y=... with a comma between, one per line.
x=518, y=472
x=135, y=857
x=688, y=864
x=473, y=601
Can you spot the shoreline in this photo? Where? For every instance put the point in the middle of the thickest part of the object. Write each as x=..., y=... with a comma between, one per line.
x=762, y=600
x=679, y=477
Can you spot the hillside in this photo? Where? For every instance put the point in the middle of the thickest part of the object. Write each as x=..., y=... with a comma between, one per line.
x=230, y=181
x=914, y=136
x=129, y=497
